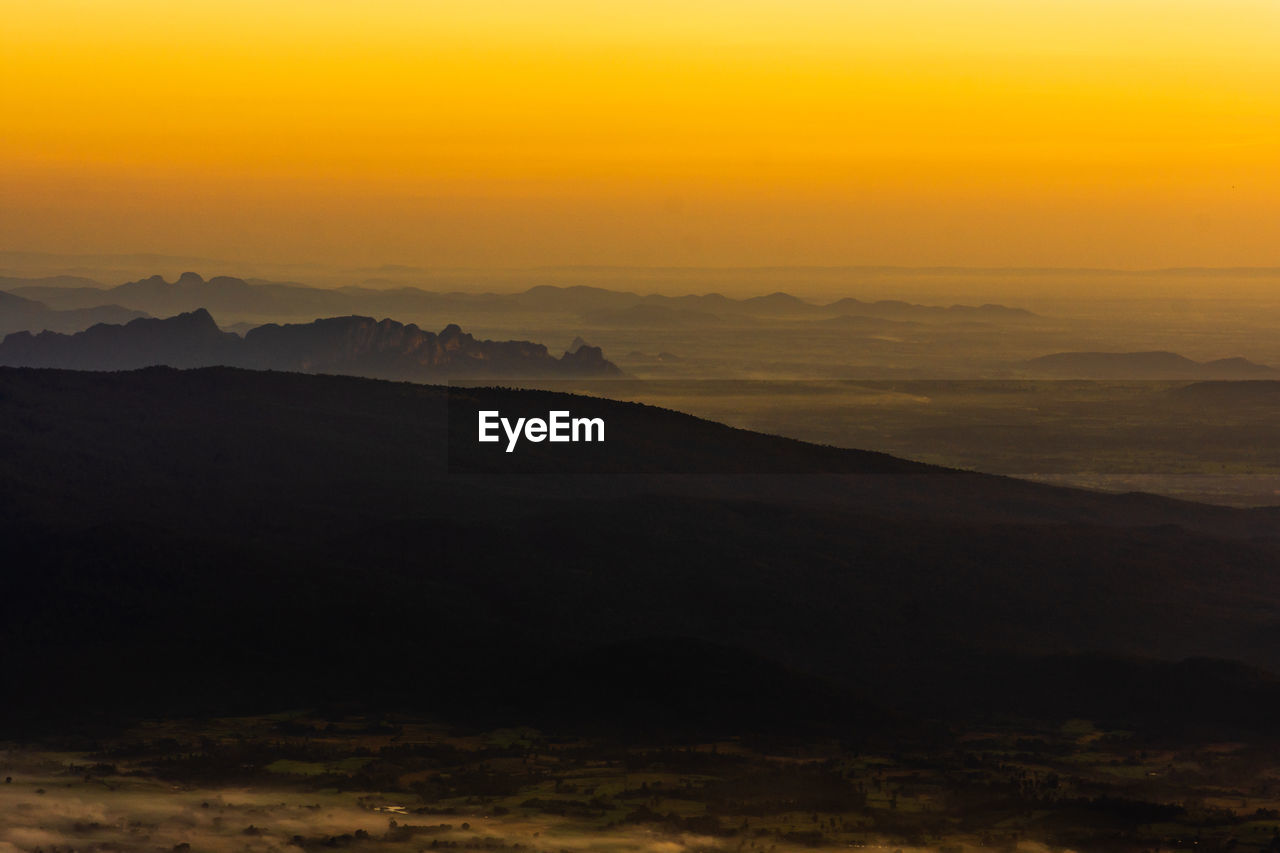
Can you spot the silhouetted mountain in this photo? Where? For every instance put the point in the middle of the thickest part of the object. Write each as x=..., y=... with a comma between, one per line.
x=578, y=299
x=225, y=539
x=784, y=306
x=357, y=346
x=226, y=297
x=20, y=314
x=64, y=298
x=1236, y=368
x=1142, y=365
x=1251, y=392
x=387, y=349
x=188, y=340
x=898, y=309
x=777, y=303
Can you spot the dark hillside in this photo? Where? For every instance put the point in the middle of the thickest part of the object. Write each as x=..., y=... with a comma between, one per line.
x=217, y=538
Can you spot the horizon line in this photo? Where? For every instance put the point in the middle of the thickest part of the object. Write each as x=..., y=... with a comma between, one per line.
x=933, y=269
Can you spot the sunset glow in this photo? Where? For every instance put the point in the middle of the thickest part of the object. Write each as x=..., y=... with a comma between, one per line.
x=486, y=133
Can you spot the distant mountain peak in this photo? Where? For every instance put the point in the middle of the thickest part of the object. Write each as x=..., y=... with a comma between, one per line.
x=199, y=317
x=590, y=360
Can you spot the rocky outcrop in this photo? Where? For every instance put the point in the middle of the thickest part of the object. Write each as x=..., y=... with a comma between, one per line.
x=387, y=349
x=359, y=346
x=187, y=340
x=589, y=361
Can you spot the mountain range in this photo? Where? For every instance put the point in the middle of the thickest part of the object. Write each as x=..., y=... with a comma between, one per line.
x=1225, y=393
x=220, y=540
x=1143, y=365
x=228, y=296
x=358, y=346
x=18, y=313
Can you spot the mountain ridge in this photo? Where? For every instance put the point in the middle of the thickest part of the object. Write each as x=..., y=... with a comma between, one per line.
x=1153, y=364
x=316, y=531
x=231, y=295
x=18, y=313
x=353, y=345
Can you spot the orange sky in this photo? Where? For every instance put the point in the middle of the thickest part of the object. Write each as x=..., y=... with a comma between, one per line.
x=755, y=132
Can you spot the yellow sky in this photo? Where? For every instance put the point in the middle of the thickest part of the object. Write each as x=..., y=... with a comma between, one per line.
x=983, y=132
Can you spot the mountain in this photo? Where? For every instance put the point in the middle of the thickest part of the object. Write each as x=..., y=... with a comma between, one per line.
x=577, y=299
x=387, y=349
x=349, y=345
x=1249, y=392
x=226, y=296
x=18, y=314
x=62, y=298
x=226, y=540
x=776, y=303
x=785, y=306
x=187, y=340
x=897, y=309
x=190, y=292
x=1237, y=368
x=648, y=315
x=1143, y=365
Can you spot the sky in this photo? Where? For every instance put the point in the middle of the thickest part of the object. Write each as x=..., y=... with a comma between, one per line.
x=483, y=133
